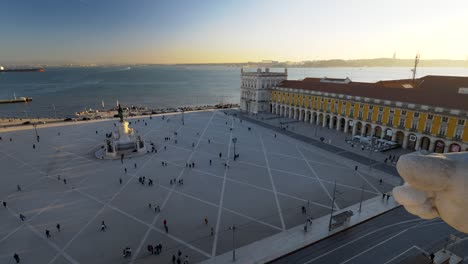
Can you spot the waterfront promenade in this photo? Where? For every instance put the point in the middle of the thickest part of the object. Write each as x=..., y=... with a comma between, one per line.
x=262, y=193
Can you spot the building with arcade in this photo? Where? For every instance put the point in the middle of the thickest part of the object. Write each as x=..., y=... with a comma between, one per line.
x=429, y=113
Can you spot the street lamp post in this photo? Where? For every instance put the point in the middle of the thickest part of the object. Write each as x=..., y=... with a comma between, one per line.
x=233, y=228
x=183, y=122
x=37, y=135
x=332, y=205
x=55, y=112
x=234, y=140
x=362, y=196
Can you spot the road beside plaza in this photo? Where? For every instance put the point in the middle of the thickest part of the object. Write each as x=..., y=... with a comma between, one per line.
x=288, y=241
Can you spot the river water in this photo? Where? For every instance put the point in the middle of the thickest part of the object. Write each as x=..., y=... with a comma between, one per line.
x=72, y=89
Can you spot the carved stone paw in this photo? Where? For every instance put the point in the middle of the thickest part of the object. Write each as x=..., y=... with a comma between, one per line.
x=436, y=185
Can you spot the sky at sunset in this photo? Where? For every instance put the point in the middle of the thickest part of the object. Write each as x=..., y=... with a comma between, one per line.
x=199, y=31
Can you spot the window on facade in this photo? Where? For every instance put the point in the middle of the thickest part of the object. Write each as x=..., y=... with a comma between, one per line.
x=360, y=114
x=351, y=112
x=444, y=119
x=379, y=117
x=315, y=98
x=361, y=106
x=390, y=120
x=321, y=99
x=392, y=110
x=458, y=132
x=369, y=115
x=430, y=117
x=380, y=109
x=402, y=122
x=461, y=122
x=442, y=130
x=328, y=107
x=416, y=114
x=414, y=124
x=427, y=127
x=403, y=112
x=371, y=107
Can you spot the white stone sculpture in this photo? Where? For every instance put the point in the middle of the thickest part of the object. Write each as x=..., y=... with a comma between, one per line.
x=436, y=185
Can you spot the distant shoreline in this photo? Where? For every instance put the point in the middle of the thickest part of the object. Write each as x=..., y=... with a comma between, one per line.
x=332, y=63
x=339, y=63
x=9, y=124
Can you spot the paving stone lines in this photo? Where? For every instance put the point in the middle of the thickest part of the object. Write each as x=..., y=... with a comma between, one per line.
x=261, y=193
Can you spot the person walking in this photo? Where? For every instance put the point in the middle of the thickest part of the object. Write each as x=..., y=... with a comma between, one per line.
x=103, y=226
x=173, y=259
x=4, y=204
x=120, y=180
x=160, y=247
x=135, y=165
x=206, y=220
x=210, y=162
x=47, y=232
x=58, y=227
x=150, y=249
x=64, y=181
x=125, y=169
x=16, y=257
x=22, y=217
x=380, y=182
x=18, y=188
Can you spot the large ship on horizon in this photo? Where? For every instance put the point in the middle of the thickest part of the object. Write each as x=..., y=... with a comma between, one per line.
x=3, y=69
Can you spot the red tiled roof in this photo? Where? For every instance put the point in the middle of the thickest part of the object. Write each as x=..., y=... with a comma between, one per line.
x=436, y=91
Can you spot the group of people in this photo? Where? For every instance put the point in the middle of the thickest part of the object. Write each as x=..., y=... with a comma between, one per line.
x=385, y=195
x=178, y=259
x=156, y=250
x=142, y=180
x=178, y=182
x=391, y=158
x=190, y=165
x=157, y=208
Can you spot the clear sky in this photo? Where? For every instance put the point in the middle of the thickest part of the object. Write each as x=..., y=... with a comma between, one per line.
x=187, y=31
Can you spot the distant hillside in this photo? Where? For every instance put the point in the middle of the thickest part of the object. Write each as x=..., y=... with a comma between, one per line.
x=385, y=62
x=380, y=62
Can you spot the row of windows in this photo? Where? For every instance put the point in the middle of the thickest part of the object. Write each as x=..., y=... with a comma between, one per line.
x=460, y=122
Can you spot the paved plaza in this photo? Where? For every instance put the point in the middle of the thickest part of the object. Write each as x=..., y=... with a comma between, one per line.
x=261, y=193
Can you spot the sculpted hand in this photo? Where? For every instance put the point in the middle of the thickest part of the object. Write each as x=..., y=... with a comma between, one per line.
x=436, y=185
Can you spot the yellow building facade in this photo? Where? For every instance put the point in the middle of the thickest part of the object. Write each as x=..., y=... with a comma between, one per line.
x=411, y=125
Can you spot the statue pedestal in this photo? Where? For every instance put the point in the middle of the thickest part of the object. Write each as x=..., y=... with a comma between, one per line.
x=122, y=141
